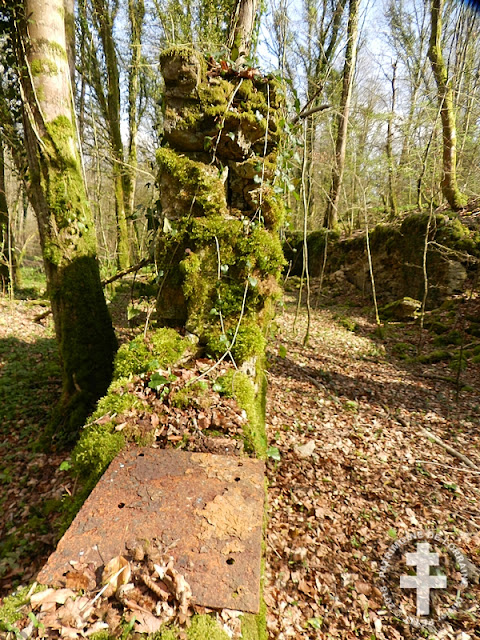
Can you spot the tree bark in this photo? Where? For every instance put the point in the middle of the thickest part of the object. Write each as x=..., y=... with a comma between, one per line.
x=455, y=198
x=8, y=265
x=83, y=326
x=331, y=214
x=136, y=13
x=391, y=195
x=111, y=107
x=241, y=29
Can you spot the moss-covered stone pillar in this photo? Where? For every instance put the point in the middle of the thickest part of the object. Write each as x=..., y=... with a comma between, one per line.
x=218, y=246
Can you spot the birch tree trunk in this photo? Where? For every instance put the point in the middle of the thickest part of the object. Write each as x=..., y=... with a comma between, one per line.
x=83, y=326
x=455, y=198
x=331, y=214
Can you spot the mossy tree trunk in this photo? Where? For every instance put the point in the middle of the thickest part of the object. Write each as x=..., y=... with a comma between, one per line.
x=455, y=198
x=331, y=213
x=218, y=247
x=57, y=191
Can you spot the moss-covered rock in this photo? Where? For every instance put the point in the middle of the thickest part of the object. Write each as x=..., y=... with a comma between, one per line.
x=397, y=252
x=404, y=309
x=250, y=395
x=157, y=350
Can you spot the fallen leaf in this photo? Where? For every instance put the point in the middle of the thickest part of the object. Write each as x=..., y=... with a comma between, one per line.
x=116, y=573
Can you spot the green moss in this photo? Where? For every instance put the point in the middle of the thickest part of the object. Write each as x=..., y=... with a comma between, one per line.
x=254, y=627
x=11, y=609
x=249, y=343
x=116, y=402
x=272, y=209
x=168, y=346
x=474, y=329
x=196, y=394
x=199, y=186
x=265, y=249
x=435, y=356
x=97, y=447
x=215, y=95
x=452, y=337
x=51, y=46
x=205, y=230
x=44, y=66
x=436, y=326
x=159, y=350
x=205, y=628
x=240, y=386
x=459, y=361
x=345, y=322
x=403, y=349
x=202, y=627
x=185, y=53
x=200, y=281
x=131, y=358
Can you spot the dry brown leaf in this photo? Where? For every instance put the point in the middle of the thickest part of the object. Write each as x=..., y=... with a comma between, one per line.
x=146, y=622
x=116, y=573
x=74, y=612
x=363, y=587
x=56, y=596
x=81, y=579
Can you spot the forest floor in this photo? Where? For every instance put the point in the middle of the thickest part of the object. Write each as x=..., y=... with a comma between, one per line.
x=351, y=469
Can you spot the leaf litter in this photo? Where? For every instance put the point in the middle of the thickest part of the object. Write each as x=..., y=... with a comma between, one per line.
x=348, y=479
x=143, y=589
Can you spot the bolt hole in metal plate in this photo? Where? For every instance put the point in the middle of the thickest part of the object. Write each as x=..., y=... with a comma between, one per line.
x=207, y=509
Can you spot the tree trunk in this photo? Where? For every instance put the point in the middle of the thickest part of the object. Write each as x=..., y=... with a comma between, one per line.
x=83, y=326
x=241, y=29
x=7, y=247
x=455, y=198
x=391, y=195
x=111, y=107
x=136, y=13
x=331, y=214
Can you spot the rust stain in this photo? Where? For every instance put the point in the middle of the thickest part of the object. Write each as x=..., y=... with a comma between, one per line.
x=229, y=516
x=207, y=509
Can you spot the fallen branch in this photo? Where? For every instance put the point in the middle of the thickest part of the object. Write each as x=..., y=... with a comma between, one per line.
x=117, y=276
x=446, y=466
x=435, y=439
x=124, y=272
x=448, y=448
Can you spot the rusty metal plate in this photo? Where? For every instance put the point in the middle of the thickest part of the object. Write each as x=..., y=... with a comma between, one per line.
x=208, y=507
